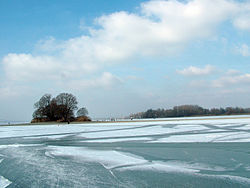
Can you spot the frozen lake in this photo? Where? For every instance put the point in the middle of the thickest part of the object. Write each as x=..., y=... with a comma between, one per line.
x=177, y=153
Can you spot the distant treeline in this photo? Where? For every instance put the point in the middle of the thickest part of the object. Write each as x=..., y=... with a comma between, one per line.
x=189, y=110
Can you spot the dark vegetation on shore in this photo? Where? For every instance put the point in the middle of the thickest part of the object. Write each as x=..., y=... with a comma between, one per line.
x=189, y=110
x=59, y=109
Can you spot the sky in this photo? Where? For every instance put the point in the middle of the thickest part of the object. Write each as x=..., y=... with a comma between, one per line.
x=120, y=57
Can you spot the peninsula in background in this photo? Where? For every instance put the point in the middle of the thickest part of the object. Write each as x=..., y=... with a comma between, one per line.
x=189, y=110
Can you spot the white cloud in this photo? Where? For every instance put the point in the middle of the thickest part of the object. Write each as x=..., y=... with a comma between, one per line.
x=243, y=21
x=196, y=71
x=232, y=72
x=9, y=91
x=106, y=81
x=133, y=77
x=199, y=83
x=158, y=28
x=191, y=19
x=25, y=66
x=231, y=80
x=244, y=49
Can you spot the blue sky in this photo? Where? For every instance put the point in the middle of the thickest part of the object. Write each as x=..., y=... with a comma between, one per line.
x=25, y=22
x=119, y=57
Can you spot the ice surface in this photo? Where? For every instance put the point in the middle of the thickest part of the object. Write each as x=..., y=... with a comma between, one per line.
x=125, y=161
x=109, y=159
x=18, y=145
x=205, y=152
x=175, y=166
x=215, y=137
x=4, y=182
x=162, y=167
x=241, y=180
x=132, y=130
x=119, y=140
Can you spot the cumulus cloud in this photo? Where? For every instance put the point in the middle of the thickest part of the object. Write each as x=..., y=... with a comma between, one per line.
x=231, y=80
x=106, y=81
x=244, y=49
x=243, y=21
x=10, y=90
x=158, y=28
x=7, y=92
x=25, y=66
x=196, y=71
x=199, y=83
x=232, y=72
x=133, y=77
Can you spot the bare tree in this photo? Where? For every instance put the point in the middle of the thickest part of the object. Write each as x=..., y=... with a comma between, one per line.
x=82, y=112
x=43, y=107
x=66, y=104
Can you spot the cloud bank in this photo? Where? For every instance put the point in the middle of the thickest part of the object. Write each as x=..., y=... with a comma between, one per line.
x=158, y=28
x=196, y=71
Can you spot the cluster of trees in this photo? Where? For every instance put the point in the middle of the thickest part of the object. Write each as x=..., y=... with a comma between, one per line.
x=189, y=110
x=60, y=108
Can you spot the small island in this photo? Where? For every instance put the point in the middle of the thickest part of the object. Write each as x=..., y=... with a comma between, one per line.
x=59, y=109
